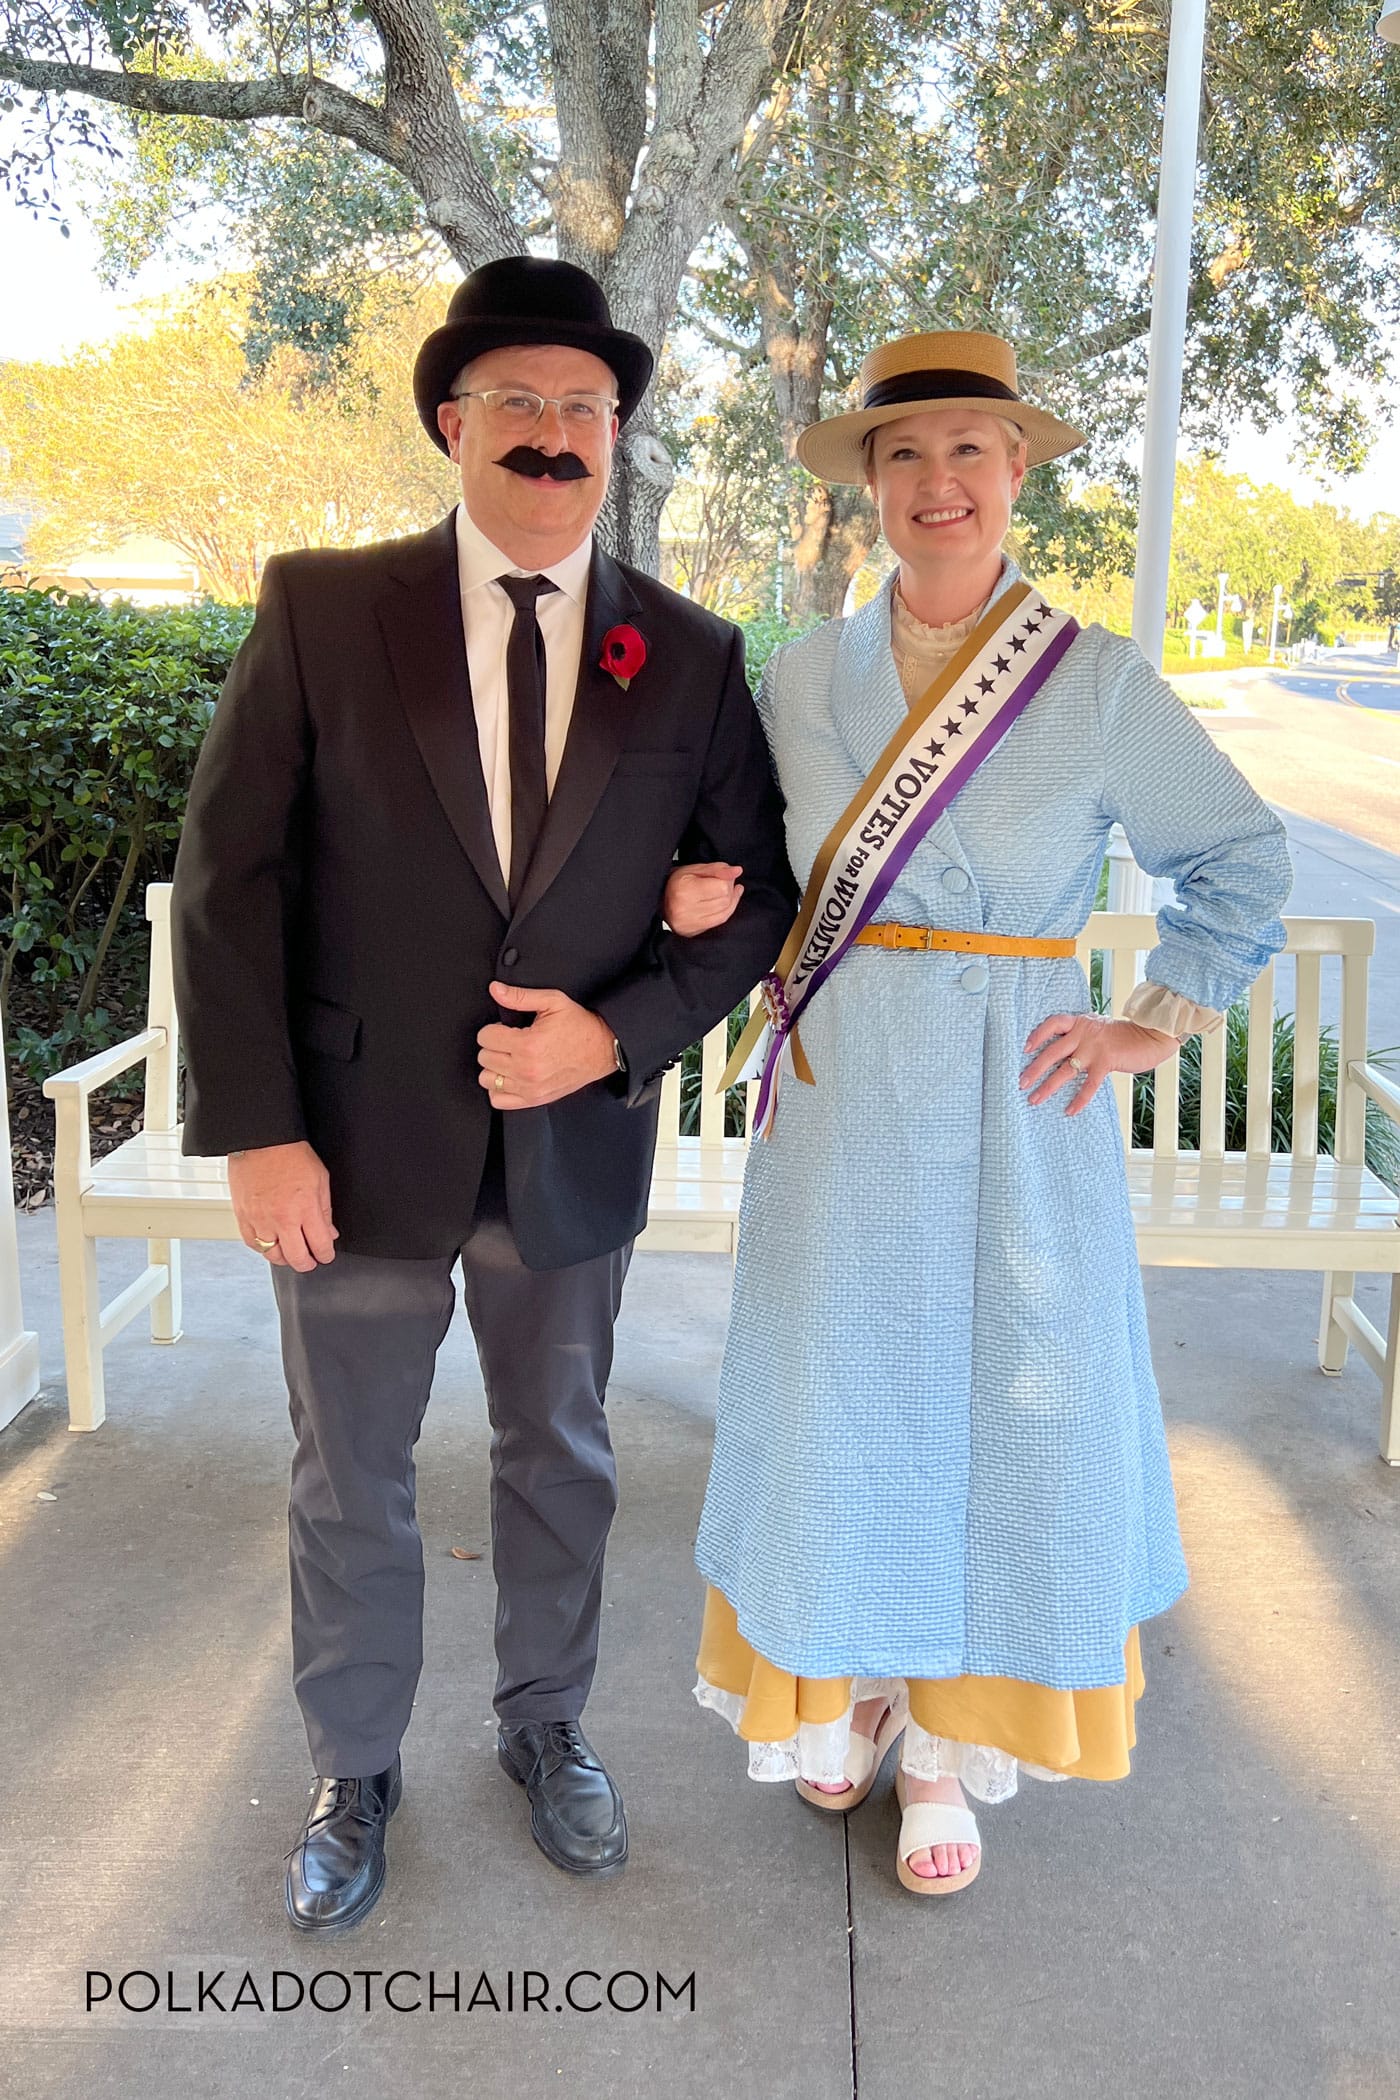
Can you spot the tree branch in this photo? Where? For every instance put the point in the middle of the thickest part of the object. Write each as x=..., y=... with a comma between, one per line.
x=419, y=130
x=154, y=94
x=432, y=146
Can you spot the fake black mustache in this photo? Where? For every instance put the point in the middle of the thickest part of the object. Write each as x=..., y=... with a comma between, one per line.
x=544, y=466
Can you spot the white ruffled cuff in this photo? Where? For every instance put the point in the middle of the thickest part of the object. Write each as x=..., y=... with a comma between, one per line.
x=1153, y=1006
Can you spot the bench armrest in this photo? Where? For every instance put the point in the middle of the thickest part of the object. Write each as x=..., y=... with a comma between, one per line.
x=1374, y=1083
x=82, y=1079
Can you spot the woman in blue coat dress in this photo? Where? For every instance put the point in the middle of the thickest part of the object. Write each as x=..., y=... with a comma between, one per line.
x=940, y=1504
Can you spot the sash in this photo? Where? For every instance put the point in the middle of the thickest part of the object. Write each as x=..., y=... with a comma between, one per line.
x=939, y=745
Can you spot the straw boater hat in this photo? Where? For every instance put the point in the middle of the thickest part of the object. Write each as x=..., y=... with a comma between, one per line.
x=932, y=371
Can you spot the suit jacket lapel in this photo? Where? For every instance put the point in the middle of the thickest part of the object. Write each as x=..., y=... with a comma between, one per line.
x=420, y=617
x=598, y=729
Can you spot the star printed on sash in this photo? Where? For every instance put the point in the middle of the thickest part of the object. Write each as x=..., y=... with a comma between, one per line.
x=892, y=815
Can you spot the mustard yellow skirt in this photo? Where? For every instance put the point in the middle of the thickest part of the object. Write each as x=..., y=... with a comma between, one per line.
x=1070, y=1735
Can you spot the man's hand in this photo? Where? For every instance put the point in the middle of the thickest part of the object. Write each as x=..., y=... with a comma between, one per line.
x=564, y=1048
x=700, y=896
x=282, y=1201
x=1080, y=1050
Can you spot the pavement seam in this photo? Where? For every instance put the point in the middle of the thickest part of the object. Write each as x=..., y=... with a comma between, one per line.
x=850, y=1953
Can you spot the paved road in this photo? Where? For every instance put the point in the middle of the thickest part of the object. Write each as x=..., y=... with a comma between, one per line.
x=1324, y=740
x=1322, y=743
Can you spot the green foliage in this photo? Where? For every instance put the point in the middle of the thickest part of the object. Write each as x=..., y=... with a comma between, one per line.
x=690, y=1084
x=1259, y=535
x=102, y=710
x=764, y=635
x=1385, y=596
x=1382, y=1137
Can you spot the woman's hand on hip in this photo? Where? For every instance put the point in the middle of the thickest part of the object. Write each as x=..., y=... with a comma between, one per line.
x=1080, y=1050
x=701, y=896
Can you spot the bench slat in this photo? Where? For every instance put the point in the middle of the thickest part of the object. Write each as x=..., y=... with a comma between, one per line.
x=1212, y=1134
x=1307, y=1024
x=1166, y=1108
x=1259, y=1074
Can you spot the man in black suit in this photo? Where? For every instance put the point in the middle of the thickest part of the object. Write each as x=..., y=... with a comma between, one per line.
x=427, y=1000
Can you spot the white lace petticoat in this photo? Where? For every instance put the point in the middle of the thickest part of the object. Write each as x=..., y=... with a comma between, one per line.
x=818, y=1750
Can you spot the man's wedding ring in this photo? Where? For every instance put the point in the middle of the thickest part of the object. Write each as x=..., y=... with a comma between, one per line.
x=499, y=1081
x=1077, y=1064
x=264, y=1244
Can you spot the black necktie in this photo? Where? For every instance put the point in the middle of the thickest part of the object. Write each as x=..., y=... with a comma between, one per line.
x=525, y=687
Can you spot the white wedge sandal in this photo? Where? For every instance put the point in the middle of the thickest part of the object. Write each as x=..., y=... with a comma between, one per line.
x=924, y=1824
x=863, y=1761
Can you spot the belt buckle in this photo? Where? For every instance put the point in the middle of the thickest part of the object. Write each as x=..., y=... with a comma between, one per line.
x=927, y=938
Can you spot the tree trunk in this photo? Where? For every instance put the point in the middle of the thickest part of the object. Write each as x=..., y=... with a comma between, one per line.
x=629, y=525
x=838, y=529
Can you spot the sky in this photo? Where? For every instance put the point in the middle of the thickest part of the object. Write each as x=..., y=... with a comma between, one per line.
x=55, y=300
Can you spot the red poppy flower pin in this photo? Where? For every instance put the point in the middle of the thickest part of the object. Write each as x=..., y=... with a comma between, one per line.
x=624, y=653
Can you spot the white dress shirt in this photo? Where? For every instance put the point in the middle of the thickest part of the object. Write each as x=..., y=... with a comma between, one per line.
x=487, y=615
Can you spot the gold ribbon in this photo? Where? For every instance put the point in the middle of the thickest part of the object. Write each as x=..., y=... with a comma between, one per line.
x=953, y=671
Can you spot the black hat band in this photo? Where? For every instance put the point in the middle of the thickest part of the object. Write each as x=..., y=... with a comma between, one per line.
x=937, y=386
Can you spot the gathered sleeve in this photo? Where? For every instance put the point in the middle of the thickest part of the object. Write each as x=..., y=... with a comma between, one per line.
x=1191, y=816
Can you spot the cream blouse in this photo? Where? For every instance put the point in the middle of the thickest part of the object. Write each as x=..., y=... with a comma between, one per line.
x=920, y=653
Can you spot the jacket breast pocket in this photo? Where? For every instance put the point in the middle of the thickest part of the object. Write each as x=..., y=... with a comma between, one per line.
x=329, y=1031
x=654, y=765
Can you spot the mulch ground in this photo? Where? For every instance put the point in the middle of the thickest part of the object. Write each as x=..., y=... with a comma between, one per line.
x=31, y=1136
x=114, y=1114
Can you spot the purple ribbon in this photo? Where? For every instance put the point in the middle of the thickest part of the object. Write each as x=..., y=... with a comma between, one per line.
x=892, y=867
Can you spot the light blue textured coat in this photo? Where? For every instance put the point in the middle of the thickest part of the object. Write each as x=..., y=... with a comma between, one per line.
x=939, y=1445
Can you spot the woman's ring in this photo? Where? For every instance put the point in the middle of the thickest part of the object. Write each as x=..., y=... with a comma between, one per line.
x=1077, y=1064
x=264, y=1244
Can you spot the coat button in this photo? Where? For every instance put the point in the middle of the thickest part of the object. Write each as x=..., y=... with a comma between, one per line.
x=975, y=978
x=956, y=880
x=511, y=958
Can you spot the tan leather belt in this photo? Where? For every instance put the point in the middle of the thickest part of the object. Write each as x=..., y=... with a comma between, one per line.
x=890, y=934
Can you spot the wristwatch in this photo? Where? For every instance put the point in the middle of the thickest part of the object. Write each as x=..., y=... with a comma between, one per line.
x=618, y=1058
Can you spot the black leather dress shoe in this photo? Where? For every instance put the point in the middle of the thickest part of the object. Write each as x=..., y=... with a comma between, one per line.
x=576, y=1814
x=335, y=1870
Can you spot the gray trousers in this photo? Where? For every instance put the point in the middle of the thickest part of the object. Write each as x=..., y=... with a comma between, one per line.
x=359, y=1340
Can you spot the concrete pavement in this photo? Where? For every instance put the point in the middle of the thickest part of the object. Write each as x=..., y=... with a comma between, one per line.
x=1223, y=1926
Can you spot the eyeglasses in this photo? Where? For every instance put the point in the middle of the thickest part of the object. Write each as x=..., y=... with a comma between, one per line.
x=513, y=408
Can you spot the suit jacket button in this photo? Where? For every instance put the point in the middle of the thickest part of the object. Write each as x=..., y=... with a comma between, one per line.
x=511, y=958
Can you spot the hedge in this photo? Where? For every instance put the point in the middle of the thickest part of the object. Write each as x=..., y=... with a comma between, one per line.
x=102, y=708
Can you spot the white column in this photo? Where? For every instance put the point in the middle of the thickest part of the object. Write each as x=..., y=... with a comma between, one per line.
x=19, y=1349
x=1129, y=888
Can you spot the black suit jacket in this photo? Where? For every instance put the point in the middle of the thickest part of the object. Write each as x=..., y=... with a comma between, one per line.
x=339, y=909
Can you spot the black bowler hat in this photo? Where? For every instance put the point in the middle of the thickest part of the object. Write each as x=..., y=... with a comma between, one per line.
x=526, y=299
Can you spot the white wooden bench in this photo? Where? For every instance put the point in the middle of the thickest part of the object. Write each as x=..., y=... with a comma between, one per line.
x=1206, y=1208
